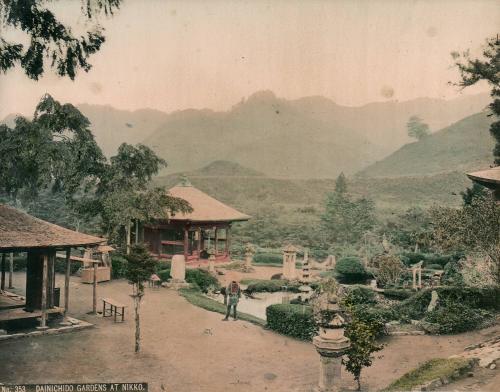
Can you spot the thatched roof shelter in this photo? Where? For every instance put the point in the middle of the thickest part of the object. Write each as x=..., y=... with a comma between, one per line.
x=20, y=231
x=489, y=178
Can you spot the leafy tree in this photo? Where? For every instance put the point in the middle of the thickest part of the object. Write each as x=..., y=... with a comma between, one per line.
x=55, y=151
x=50, y=39
x=362, y=333
x=123, y=194
x=140, y=266
x=345, y=219
x=411, y=229
x=388, y=269
x=474, y=228
x=417, y=128
x=486, y=69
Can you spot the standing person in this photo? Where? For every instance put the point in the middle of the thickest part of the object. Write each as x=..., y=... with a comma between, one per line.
x=233, y=296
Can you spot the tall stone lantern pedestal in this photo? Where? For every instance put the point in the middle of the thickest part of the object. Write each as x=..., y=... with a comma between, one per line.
x=331, y=345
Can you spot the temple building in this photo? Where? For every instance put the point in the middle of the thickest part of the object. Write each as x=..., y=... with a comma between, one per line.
x=489, y=178
x=207, y=228
x=20, y=232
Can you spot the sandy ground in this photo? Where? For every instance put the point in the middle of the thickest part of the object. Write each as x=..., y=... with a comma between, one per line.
x=188, y=349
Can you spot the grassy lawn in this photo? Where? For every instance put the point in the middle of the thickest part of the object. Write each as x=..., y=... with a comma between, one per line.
x=428, y=371
x=197, y=298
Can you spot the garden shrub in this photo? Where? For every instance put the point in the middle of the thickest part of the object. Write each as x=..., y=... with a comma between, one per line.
x=267, y=258
x=399, y=294
x=350, y=270
x=163, y=265
x=456, y=317
x=119, y=265
x=272, y=286
x=359, y=295
x=201, y=278
x=434, y=266
x=292, y=320
x=164, y=275
x=375, y=316
x=277, y=276
x=484, y=298
x=409, y=258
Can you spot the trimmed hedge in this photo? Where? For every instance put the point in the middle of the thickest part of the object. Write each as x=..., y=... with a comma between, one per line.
x=271, y=286
x=360, y=295
x=201, y=278
x=398, y=294
x=292, y=320
x=350, y=270
x=268, y=258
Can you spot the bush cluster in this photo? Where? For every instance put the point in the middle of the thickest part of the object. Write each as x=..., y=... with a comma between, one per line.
x=292, y=320
x=350, y=270
x=202, y=279
x=119, y=265
x=164, y=275
x=410, y=258
x=456, y=317
x=268, y=258
x=272, y=286
x=359, y=295
x=398, y=294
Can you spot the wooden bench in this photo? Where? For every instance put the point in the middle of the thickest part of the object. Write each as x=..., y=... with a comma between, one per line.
x=115, y=309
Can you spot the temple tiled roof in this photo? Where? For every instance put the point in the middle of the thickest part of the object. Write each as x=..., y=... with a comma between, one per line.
x=205, y=207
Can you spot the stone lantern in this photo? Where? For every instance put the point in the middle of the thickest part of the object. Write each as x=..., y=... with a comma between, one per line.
x=211, y=261
x=249, y=252
x=289, y=260
x=331, y=345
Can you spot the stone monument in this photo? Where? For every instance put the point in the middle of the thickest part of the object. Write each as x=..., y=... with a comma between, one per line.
x=177, y=273
x=289, y=260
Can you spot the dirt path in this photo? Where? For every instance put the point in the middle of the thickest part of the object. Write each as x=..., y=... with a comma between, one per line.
x=187, y=349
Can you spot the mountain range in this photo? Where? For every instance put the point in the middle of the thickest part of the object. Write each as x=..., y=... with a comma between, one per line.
x=310, y=137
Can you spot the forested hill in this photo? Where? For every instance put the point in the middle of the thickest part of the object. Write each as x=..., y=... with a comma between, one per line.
x=310, y=137
x=463, y=146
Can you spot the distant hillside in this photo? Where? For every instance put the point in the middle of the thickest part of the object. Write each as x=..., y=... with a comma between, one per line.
x=252, y=194
x=112, y=127
x=463, y=146
x=305, y=138
x=224, y=169
x=310, y=137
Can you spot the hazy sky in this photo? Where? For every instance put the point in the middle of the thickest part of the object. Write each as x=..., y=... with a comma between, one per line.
x=172, y=55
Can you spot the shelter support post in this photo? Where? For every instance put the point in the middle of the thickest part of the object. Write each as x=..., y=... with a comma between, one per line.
x=228, y=241
x=186, y=243
x=136, y=231
x=11, y=269
x=199, y=241
x=2, y=284
x=45, y=273
x=216, y=240
x=94, y=291
x=66, y=282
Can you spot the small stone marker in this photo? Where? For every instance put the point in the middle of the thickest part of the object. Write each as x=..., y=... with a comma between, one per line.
x=178, y=271
x=434, y=301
